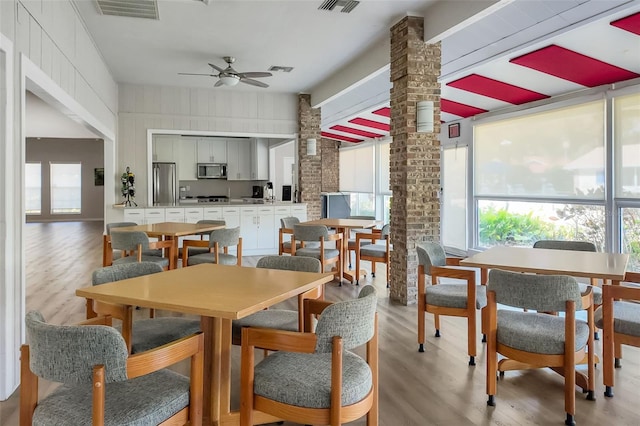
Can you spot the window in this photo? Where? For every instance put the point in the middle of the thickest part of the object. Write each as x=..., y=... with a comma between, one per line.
x=454, y=206
x=627, y=142
x=362, y=204
x=66, y=188
x=551, y=154
x=356, y=169
x=33, y=188
x=631, y=237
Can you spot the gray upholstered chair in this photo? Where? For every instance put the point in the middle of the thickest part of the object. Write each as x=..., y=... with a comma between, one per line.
x=219, y=242
x=281, y=319
x=101, y=383
x=318, y=234
x=143, y=334
x=107, y=250
x=286, y=228
x=575, y=246
x=455, y=298
x=373, y=252
x=134, y=244
x=351, y=242
x=535, y=339
x=618, y=317
x=194, y=250
x=315, y=378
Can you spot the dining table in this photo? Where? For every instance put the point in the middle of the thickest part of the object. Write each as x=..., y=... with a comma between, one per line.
x=167, y=231
x=609, y=267
x=345, y=226
x=219, y=294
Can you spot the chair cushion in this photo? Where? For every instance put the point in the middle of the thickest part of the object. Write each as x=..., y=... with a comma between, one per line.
x=223, y=259
x=537, y=333
x=626, y=318
x=375, y=250
x=352, y=243
x=145, y=400
x=304, y=380
x=162, y=261
x=279, y=319
x=287, y=244
x=315, y=252
x=154, y=332
x=597, y=292
x=454, y=295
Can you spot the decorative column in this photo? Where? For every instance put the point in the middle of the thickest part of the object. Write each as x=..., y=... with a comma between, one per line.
x=415, y=157
x=309, y=166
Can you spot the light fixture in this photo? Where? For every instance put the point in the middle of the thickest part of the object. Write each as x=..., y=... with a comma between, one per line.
x=424, y=117
x=311, y=147
x=229, y=79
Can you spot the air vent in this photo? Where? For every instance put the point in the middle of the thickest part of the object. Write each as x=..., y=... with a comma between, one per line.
x=346, y=5
x=146, y=9
x=280, y=68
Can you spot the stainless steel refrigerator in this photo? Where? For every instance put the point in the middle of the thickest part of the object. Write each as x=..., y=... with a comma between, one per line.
x=164, y=183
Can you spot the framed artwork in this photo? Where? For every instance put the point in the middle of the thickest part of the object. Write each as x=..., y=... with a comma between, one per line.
x=98, y=177
x=454, y=130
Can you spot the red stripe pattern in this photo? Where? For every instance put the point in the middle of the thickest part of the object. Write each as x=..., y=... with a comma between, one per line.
x=459, y=109
x=339, y=137
x=356, y=131
x=385, y=112
x=370, y=123
x=630, y=23
x=495, y=89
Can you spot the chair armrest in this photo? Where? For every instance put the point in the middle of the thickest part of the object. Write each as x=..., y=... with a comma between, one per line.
x=160, y=244
x=99, y=320
x=632, y=277
x=452, y=261
x=462, y=274
x=286, y=231
x=334, y=237
x=367, y=236
x=279, y=340
x=164, y=356
x=111, y=309
x=587, y=298
x=315, y=307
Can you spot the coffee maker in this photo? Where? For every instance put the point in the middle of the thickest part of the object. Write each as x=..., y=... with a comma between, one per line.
x=258, y=192
x=269, y=191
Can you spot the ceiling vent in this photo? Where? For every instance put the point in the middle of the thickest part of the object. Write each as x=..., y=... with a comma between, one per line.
x=147, y=9
x=346, y=5
x=280, y=68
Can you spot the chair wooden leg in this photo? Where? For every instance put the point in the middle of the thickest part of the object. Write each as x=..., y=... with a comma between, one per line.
x=436, y=321
x=492, y=356
x=471, y=337
x=28, y=388
x=570, y=364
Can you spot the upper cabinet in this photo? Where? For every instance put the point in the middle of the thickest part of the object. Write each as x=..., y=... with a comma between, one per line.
x=259, y=159
x=187, y=169
x=212, y=150
x=164, y=148
x=238, y=159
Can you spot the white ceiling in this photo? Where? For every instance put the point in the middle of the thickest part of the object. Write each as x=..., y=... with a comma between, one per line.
x=320, y=45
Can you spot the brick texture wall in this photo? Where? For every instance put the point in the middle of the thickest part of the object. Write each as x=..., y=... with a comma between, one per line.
x=309, y=166
x=330, y=166
x=415, y=157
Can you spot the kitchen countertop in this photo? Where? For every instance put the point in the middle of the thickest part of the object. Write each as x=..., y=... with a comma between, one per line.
x=221, y=204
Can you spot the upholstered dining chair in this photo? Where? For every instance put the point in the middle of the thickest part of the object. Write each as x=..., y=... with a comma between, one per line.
x=281, y=319
x=619, y=319
x=373, y=252
x=447, y=298
x=102, y=385
x=135, y=243
x=193, y=250
x=315, y=378
x=286, y=229
x=318, y=234
x=142, y=334
x=107, y=249
x=536, y=339
x=218, y=248
x=351, y=242
x=576, y=246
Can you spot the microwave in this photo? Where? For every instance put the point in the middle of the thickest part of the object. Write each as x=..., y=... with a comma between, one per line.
x=212, y=171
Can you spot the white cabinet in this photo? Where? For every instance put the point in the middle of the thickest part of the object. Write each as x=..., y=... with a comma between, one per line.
x=231, y=215
x=186, y=159
x=193, y=214
x=259, y=159
x=257, y=228
x=134, y=215
x=164, y=148
x=238, y=159
x=213, y=213
x=155, y=215
x=212, y=150
x=299, y=211
x=174, y=214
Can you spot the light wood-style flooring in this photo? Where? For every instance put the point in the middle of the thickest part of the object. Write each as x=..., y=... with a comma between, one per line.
x=436, y=387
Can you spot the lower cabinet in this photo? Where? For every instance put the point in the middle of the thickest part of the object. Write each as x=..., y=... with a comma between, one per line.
x=257, y=228
x=134, y=215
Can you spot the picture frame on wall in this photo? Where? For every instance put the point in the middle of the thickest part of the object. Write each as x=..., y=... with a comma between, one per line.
x=454, y=130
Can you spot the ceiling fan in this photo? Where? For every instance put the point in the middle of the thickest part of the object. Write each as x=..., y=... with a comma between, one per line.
x=231, y=77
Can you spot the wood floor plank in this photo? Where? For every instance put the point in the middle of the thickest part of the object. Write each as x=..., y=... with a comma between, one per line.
x=436, y=387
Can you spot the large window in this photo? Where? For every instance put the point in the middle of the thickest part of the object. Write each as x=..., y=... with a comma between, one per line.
x=33, y=188
x=631, y=237
x=357, y=177
x=66, y=188
x=454, y=203
x=627, y=141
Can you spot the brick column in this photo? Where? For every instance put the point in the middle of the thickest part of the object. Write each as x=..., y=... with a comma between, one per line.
x=415, y=157
x=309, y=166
x=330, y=165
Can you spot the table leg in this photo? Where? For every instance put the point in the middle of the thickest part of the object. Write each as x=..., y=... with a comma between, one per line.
x=207, y=327
x=225, y=369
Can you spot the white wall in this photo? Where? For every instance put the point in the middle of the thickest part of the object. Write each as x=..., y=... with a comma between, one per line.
x=51, y=54
x=211, y=111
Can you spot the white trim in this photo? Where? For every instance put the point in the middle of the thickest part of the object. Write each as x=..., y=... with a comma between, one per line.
x=10, y=295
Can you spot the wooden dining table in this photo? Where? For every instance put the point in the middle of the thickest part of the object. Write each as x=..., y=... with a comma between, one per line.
x=169, y=231
x=218, y=294
x=610, y=267
x=345, y=226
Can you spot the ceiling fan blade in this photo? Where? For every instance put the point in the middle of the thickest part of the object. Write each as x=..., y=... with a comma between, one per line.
x=218, y=83
x=189, y=73
x=215, y=67
x=254, y=74
x=253, y=82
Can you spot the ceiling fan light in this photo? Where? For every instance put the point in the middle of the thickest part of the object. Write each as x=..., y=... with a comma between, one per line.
x=229, y=80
